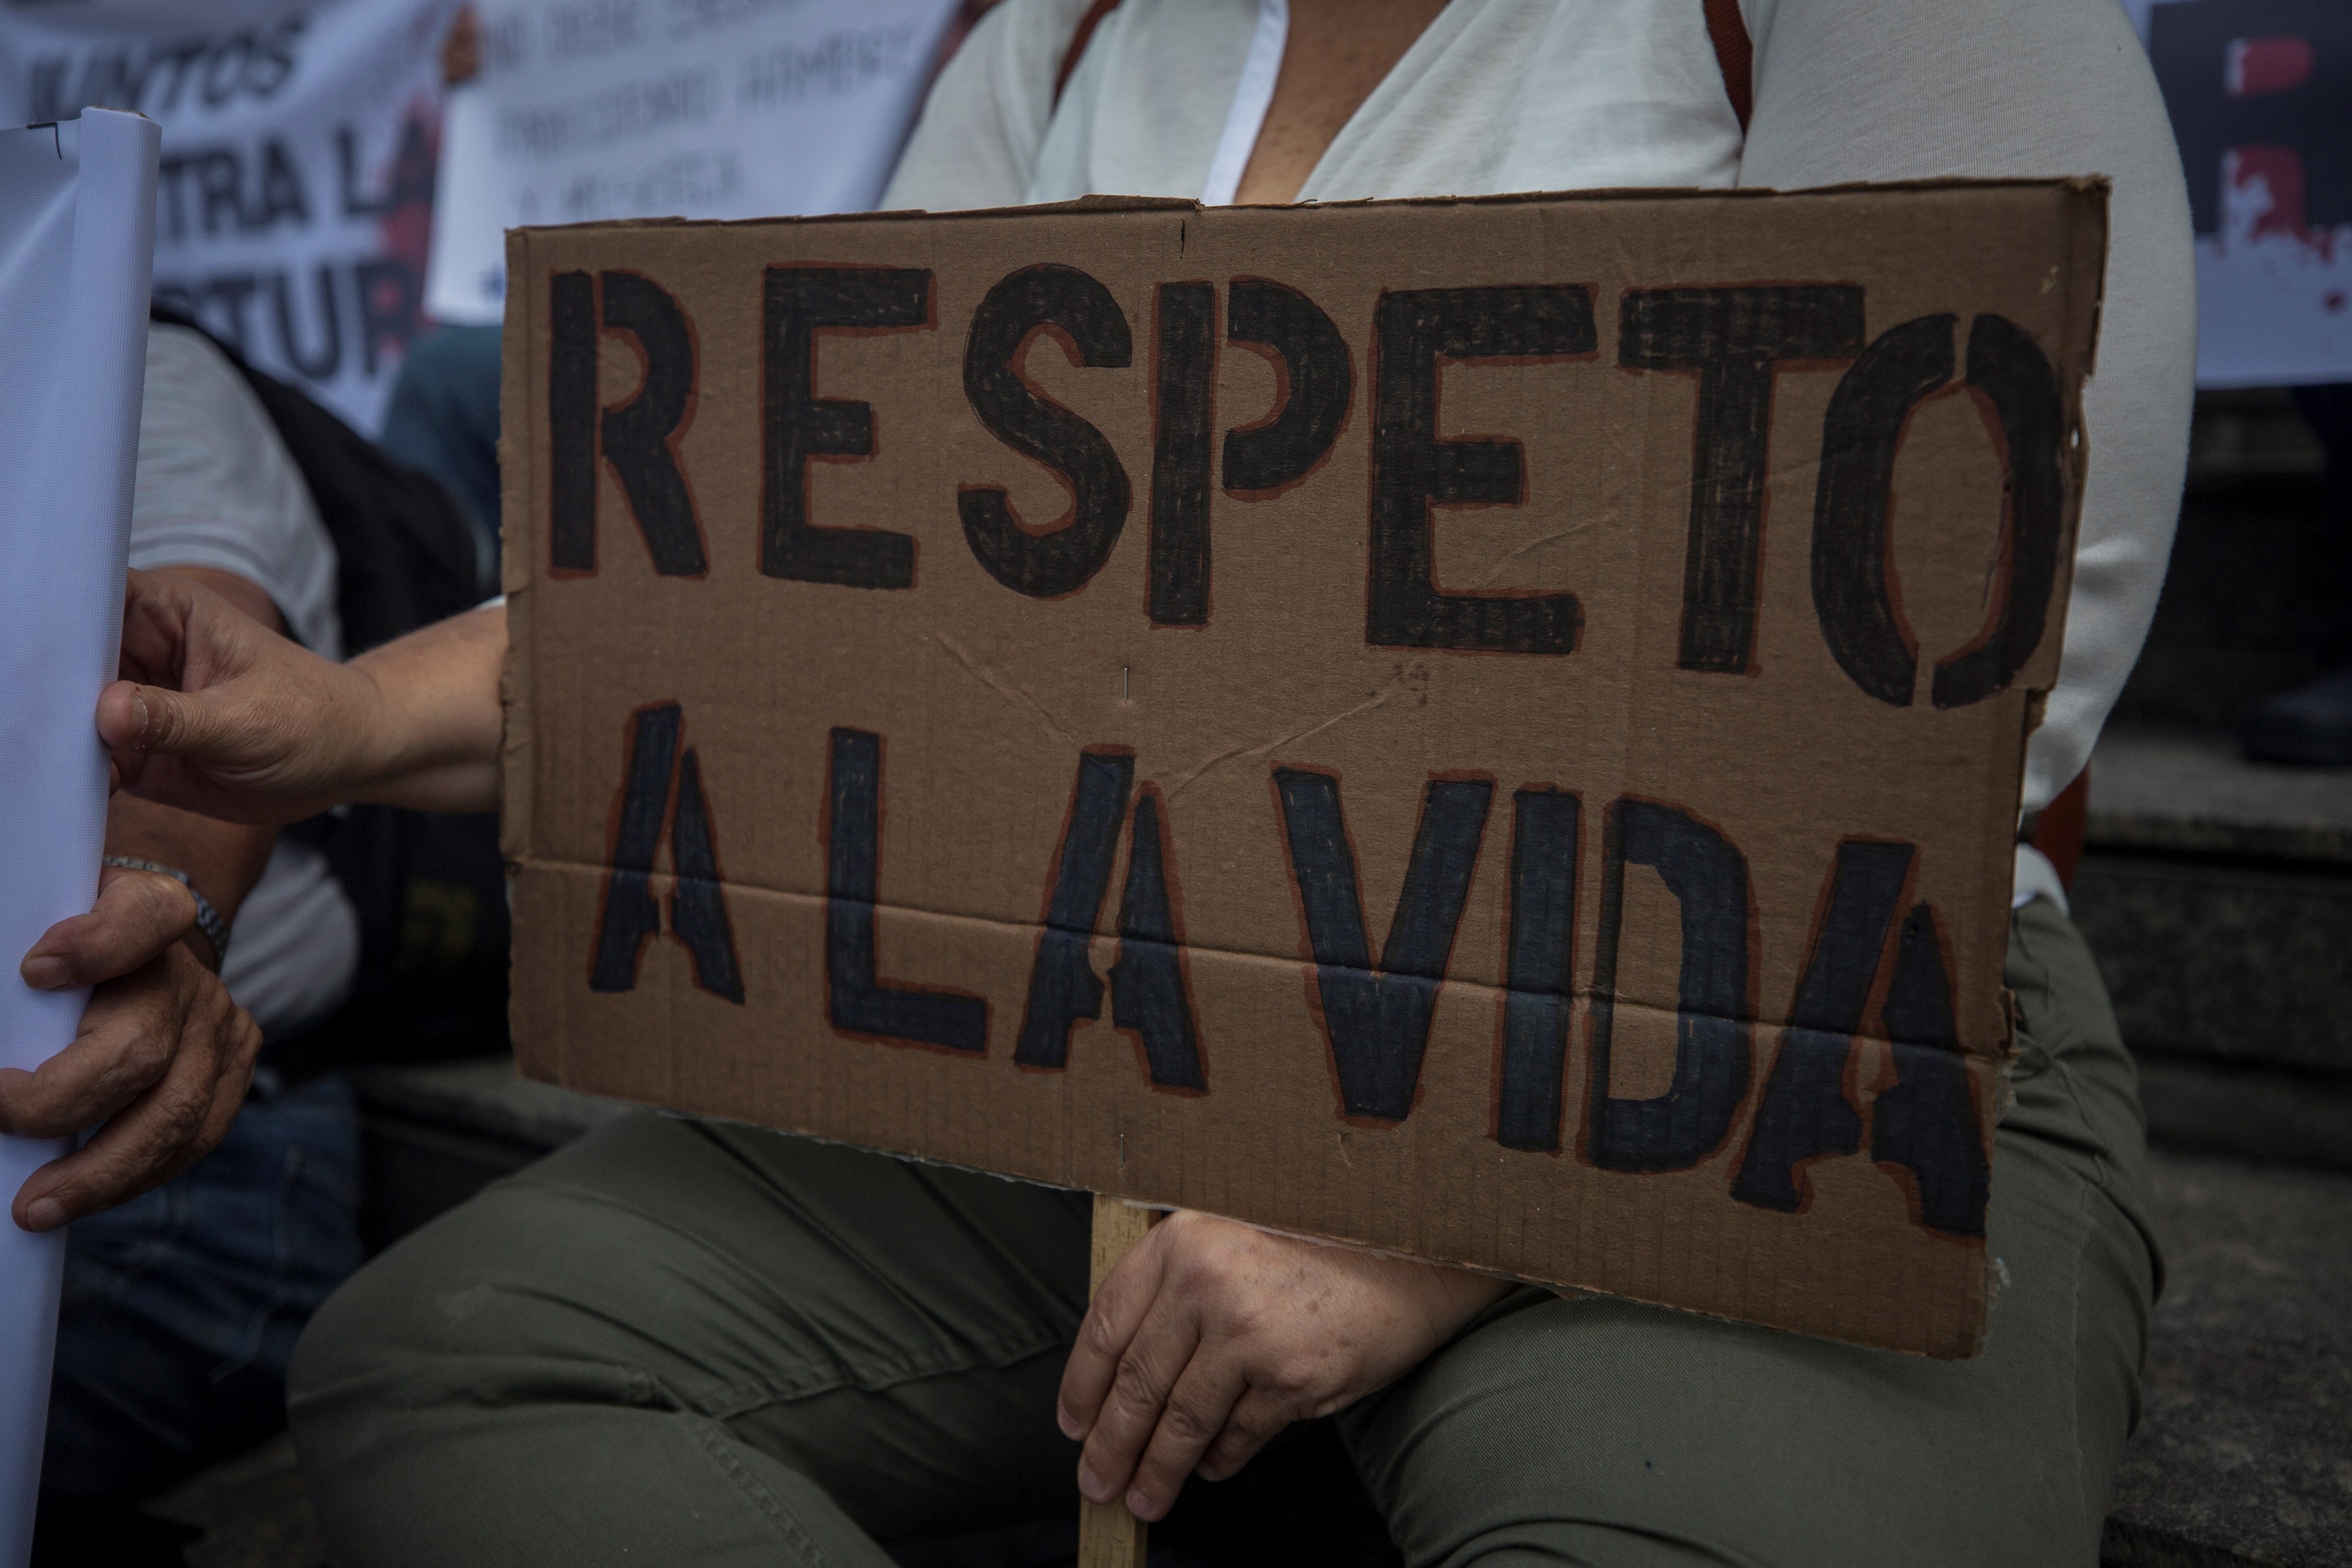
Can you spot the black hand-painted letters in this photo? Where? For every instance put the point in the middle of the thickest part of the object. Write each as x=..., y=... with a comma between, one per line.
x=1072, y=306
x=1148, y=995
x=637, y=437
x=697, y=906
x=1542, y=974
x=1414, y=470
x=1377, y=1020
x=1732, y=338
x=1853, y=503
x=571, y=422
x=1315, y=381
x=1806, y=1113
x=2008, y=368
x=1713, y=1029
x=1062, y=985
x=798, y=426
x=856, y=1000
x=1184, y=352
x=1926, y=1123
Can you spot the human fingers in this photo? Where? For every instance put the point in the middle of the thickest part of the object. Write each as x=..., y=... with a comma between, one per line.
x=1196, y=1414
x=1118, y=1305
x=156, y=608
x=209, y=711
x=248, y=751
x=162, y=743
x=1132, y=1408
x=129, y=1034
x=162, y=1132
x=137, y=915
x=1255, y=1420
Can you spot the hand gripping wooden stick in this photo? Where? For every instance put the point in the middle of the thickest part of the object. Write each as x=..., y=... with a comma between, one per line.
x=1109, y=1536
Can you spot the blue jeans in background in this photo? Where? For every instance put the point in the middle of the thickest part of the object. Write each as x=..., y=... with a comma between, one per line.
x=444, y=418
x=182, y=1307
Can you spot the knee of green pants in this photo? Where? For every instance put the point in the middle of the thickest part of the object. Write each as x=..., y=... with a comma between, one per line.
x=1605, y=1432
x=672, y=1338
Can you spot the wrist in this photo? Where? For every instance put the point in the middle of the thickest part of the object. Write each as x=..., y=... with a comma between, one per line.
x=425, y=725
x=1451, y=1297
x=207, y=938
x=380, y=746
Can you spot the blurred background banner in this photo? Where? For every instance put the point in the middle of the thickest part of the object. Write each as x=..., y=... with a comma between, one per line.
x=702, y=108
x=2261, y=97
x=294, y=204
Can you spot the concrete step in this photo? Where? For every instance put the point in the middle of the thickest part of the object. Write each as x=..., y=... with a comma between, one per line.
x=2245, y=602
x=2244, y=1457
x=2182, y=790
x=2217, y=893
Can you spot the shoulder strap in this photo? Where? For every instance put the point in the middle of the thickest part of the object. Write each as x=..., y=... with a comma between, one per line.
x=404, y=552
x=1735, y=56
x=1078, y=41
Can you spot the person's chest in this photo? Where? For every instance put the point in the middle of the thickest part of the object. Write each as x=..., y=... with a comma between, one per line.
x=1496, y=95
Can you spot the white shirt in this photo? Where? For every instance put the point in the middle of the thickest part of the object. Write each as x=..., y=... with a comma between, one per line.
x=1561, y=95
x=216, y=487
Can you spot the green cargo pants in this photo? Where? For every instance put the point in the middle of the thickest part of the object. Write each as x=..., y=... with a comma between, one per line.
x=684, y=1343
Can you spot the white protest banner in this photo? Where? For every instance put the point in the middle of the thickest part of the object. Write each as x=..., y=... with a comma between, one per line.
x=700, y=108
x=76, y=210
x=295, y=200
x=2260, y=93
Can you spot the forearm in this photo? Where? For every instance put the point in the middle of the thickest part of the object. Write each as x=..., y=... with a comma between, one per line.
x=435, y=742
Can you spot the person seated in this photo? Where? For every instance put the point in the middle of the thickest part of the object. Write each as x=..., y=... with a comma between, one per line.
x=680, y=1341
x=182, y=1302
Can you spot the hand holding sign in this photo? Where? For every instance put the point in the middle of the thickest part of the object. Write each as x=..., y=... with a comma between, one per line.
x=216, y=714
x=1211, y=1337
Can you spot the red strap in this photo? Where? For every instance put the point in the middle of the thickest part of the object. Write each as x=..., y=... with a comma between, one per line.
x=959, y=28
x=2058, y=831
x=1078, y=40
x=1735, y=55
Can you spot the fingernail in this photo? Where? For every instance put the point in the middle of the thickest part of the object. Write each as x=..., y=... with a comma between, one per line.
x=1091, y=1485
x=1068, y=1423
x=1138, y=1504
x=44, y=973
x=139, y=707
x=46, y=1214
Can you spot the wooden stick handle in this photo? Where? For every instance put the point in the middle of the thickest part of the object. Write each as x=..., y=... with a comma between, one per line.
x=1109, y=1536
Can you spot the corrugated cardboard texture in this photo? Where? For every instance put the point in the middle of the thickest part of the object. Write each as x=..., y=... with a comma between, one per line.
x=1542, y=647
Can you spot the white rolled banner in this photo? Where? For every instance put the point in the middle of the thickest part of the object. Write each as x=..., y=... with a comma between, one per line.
x=76, y=252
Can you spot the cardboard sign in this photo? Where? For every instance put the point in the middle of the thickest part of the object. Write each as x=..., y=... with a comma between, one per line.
x=1488, y=729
